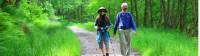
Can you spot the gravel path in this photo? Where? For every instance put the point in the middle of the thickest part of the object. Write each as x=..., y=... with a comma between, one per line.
x=89, y=45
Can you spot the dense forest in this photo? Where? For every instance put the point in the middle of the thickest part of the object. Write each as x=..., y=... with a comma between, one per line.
x=173, y=14
x=26, y=24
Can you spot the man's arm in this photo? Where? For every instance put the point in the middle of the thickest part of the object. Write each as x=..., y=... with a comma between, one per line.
x=133, y=23
x=116, y=23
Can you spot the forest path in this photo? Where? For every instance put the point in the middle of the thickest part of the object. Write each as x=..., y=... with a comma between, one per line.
x=89, y=46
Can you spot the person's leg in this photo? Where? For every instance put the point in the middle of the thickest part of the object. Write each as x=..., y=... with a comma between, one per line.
x=107, y=48
x=122, y=41
x=106, y=42
x=102, y=49
x=100, y=42
x=128, y=41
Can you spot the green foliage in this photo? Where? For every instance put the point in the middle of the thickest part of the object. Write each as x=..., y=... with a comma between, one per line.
x=5, y=21
x=163, y=42
x=28, y=30
x=48, y=8
x=112, y=6
x=40, y=42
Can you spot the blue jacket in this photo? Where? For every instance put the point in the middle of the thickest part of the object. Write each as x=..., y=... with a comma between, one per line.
x=124, y=21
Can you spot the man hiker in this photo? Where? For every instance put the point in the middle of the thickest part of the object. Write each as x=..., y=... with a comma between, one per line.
x=102, y=25
x=124, y=22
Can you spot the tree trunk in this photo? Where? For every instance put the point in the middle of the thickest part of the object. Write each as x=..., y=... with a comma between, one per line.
x=131, y=2
x=172, y=17
x=137, y=19
x=6, y=2
x=17, y=3
x=164, y=12
x=150, y=13
x=147, y=18
x=193, y=30
x=182, y=14
x=145, y=13
x=161, y=13
x=168, y=19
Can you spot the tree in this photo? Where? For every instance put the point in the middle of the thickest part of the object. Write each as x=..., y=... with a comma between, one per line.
x=17, y=3
x=136, y=12
x=147, y=16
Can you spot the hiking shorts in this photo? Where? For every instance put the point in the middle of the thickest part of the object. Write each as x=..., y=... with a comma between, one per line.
x=103, y=39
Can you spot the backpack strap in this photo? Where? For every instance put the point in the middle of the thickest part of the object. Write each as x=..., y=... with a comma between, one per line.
x=99, y=20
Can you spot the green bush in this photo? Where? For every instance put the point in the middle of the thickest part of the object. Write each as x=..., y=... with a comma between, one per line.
x=28, y=31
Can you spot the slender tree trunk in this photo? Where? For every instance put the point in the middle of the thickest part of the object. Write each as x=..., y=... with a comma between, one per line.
x=164, y=12
x=193, y=30
x=150, y=13
x=168, y=19
x=146, y=13
x=131, y=2
x=161, y=13
x=172, y=17
x=182, y=14
x=137, y=19
x=147, y=18
x=17, y=3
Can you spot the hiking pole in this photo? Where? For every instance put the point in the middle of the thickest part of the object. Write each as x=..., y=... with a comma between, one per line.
x=127, y=51
x=112, y=47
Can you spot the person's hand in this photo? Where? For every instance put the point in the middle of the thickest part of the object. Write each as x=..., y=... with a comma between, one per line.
x=96, y=27
x=134, y=32
x=108, y=29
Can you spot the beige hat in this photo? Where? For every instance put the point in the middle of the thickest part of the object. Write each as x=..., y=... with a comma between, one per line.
x=102, y=8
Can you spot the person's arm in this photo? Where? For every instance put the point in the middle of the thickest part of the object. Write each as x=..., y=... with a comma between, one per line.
x=116, y=23
x=96, y=23
x=133, y=25
x=109, y=24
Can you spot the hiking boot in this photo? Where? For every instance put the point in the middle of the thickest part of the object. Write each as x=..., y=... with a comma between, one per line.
x=107, y=54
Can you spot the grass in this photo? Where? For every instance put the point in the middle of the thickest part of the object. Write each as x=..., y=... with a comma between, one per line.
x=89, y=26
x=49, y=41
x=158, y=42
x=163, y=42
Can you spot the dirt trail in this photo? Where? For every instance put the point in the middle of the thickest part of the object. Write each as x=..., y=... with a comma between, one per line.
x=89, y=45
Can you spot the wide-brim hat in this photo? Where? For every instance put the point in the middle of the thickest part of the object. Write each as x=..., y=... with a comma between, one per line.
x=102, y=8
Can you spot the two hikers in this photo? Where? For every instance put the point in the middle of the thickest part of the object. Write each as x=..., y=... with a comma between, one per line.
x=124, y=23
x=102, y=24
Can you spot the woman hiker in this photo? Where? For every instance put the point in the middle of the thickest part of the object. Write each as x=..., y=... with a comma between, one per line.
x=125, y=24
x=102, y=25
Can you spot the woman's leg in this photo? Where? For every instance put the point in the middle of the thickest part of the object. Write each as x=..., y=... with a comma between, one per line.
x=102, y=49
x=106, y=39
x=100, y=42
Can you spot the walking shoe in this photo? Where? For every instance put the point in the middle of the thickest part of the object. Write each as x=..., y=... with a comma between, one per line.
x=107, y=54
